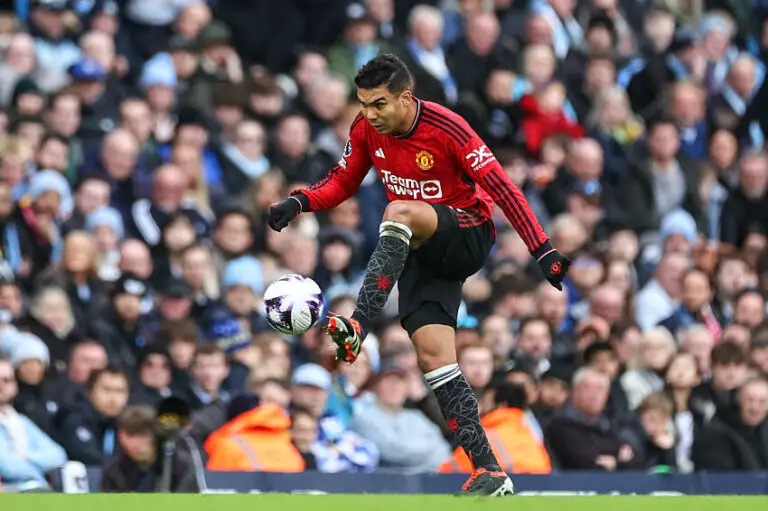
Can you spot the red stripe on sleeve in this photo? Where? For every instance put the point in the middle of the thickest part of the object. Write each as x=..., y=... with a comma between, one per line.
x=516, y=208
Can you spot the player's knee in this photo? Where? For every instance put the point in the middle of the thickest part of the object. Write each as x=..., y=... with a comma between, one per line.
x=399, y=211
x=434, y=356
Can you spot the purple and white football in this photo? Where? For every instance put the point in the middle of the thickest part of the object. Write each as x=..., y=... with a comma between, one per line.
x=292, y=304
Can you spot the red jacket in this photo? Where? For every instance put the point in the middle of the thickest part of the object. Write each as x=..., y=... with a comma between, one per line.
x=539, y=125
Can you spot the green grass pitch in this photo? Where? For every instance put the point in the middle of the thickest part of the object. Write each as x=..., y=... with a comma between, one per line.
x=136, y=502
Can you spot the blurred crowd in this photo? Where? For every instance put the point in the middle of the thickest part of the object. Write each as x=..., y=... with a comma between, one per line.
x=142, y=142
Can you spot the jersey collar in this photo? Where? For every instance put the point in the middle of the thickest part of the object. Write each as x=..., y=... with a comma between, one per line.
x=415, y=124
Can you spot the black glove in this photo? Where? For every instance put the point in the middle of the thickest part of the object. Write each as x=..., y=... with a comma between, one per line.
x=283, y=212
x=553, y=264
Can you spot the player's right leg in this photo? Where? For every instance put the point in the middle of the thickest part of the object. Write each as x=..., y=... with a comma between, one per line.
x=406, y=225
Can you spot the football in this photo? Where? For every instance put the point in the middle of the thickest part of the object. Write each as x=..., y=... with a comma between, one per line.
x=292, y=304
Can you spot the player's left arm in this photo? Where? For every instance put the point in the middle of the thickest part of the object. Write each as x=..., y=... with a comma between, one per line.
x=480, y=164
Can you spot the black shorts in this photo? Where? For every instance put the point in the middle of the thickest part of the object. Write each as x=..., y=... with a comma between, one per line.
x=430, y=286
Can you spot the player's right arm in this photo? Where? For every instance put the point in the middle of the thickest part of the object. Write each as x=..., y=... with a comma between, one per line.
x=341, y=182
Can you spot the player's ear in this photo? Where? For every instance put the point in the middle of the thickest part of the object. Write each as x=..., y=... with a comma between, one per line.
x=406, y=97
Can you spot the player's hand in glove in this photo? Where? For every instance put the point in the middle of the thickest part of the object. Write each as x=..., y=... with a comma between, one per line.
x=281, y=214
x=553, y=264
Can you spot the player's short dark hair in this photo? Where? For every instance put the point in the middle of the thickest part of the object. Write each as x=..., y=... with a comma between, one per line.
x=384, y=70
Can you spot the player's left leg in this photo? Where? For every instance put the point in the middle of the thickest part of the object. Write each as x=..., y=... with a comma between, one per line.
x=436, y=349
x=405, y=225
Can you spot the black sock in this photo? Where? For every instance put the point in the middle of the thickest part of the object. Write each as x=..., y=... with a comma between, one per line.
x=384, y=268
x=459, y=406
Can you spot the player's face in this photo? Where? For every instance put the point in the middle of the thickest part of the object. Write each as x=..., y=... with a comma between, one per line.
x=385, y=110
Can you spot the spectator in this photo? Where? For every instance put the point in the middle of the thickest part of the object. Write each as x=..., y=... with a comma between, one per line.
x=106, y=227
x=600, y=356
x=28, y=453
x=534, y=342
x=616, y=128
x=554, y=391
x=154, y=378
x=52, y=320
x=134, y=467
x=117, y=164
x=358, y=45
x=749, y=308
x=37, y=397
x=659, y=298
x=668, y=178
x=715, y=398
x=654, y=355
x=208, y=371
x=744, y=207
x=337, y=448
x=506, y=425
x=53, y=46
x=243, y=158
x=99, y=104
x=87, y=430
x=150, y=217
x=85, y=357
x=735, y=446
x=92, y=193
x=180, y=339
x=64, y=117
x=173, y=304
x=38, y=216
x=653, y=442
x=20, y=60
x=476, y=364
x=198, y=271
x=681, y=377
x=425, y=58
x=304, y=433
x=254, y=439
x=427, y=448
x=696, y=304
x=233, y=236
x=581, y=436
x=118, y=325
x=135, y=258
x=243, y=287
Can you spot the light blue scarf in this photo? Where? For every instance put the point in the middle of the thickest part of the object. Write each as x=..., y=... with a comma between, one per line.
x=434, y=62
x=251, y=168
x=12, y=247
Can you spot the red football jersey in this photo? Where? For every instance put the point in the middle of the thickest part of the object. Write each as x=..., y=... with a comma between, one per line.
x=439, y=160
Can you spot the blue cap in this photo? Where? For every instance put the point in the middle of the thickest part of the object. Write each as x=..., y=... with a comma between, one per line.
x=49, y=181
x=226, y=331
x=679, y=222
x=244, y=271
x=87, y=70
x=29, y=347
x=106, y=216
x=312, y=375
x=159, y=70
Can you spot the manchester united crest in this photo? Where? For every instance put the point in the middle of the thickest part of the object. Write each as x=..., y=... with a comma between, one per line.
x=425, y=160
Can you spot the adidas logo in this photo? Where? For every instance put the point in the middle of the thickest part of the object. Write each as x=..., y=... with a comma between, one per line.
x=380, y=152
